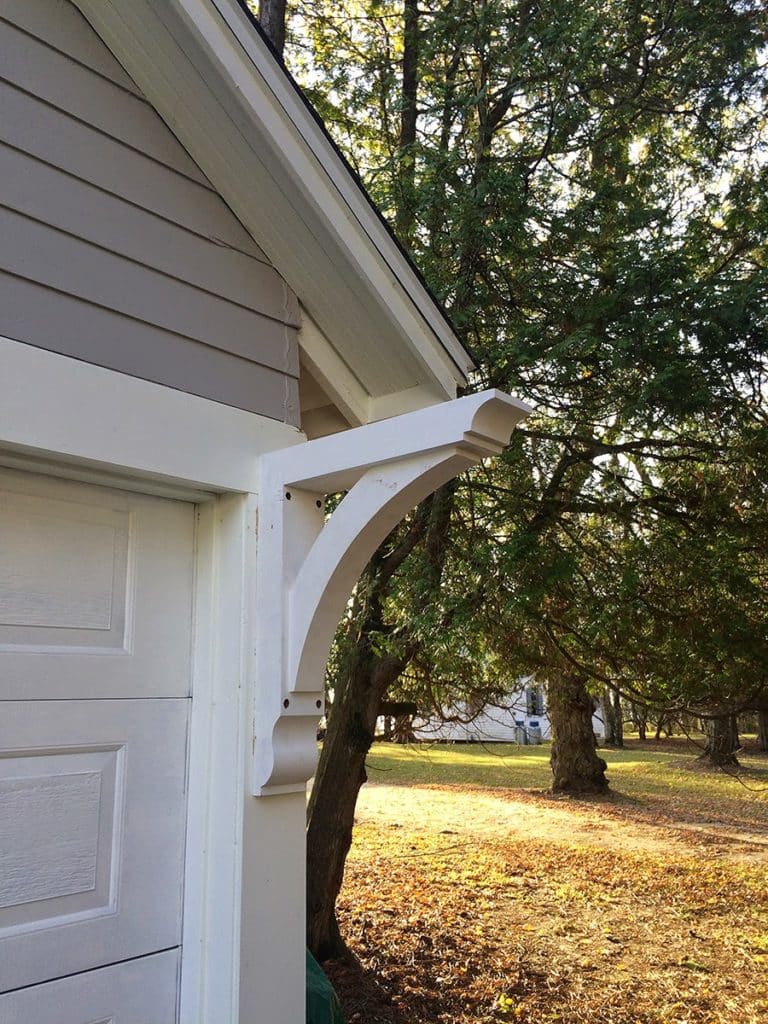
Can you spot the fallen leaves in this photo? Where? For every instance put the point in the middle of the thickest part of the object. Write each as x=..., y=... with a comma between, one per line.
x=485, y=930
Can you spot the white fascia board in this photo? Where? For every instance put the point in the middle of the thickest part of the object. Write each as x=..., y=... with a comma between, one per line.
x=56, y=407
x=220, y=89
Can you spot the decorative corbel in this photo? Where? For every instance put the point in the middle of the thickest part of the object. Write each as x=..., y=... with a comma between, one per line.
x=307, y=564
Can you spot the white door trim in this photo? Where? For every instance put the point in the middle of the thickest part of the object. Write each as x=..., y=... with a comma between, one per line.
x=81, y=421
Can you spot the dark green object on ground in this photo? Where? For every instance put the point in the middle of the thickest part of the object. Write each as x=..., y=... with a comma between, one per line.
x=323, y=1006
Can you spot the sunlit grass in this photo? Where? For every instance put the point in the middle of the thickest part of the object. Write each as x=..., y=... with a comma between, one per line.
x=639, y=772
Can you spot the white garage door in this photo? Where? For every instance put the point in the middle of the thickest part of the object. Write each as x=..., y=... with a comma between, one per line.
x=95, y=637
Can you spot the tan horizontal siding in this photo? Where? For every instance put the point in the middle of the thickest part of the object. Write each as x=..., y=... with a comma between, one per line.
x=37, y=190
x=68, y=86
x=139, y=350
x=114, y=248
x=78, y=208
x=42, y=131
x=60, y=24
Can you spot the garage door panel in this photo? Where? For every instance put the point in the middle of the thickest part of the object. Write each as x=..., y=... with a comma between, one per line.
x=61, y=812
x=92, y=805
x=140, y=992
x=63, y=579
x=90, y=580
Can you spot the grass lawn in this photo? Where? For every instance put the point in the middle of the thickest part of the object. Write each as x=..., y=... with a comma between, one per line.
x=656, y=775
x=473, y=896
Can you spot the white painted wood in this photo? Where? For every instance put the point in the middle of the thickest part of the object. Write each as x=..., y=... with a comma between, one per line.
x=410, y=400
x=63, y=571
x=139, y=992
x=272, y=965
x=64, y=804
x=125, y=631
x=481, y=423
x=54, y=405
x=332, y=373
x=133, y=844
x=110, y=427
x=244, y=910
x=96, y=592
x=308, y=568
x=218, y=742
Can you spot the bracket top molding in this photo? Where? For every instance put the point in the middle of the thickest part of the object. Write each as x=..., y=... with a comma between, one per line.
x=307, y=564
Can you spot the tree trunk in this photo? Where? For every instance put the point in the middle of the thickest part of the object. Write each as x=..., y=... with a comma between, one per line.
x=405, y=214
x=404, y=730
x=608, y=717
x=640, y=718
x=362, y=682
x=618, y=719
x=272, y=20
x=613, y=718
x=762, y=728
x=576, y=766
x=340, y=775
x=722, y=742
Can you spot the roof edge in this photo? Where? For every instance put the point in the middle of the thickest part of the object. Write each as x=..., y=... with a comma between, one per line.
x=353, y=174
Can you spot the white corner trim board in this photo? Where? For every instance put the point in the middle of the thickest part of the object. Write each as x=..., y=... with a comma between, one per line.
x=307, y=566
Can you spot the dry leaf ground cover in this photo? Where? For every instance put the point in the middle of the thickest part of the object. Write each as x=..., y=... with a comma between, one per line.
x=471, y=896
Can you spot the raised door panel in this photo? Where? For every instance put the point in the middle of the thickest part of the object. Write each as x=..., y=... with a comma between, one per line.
x=140, y=992
x=92, y=812
x=95, y=592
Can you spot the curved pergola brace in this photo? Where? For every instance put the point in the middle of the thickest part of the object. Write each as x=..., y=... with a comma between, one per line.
x=307, y=565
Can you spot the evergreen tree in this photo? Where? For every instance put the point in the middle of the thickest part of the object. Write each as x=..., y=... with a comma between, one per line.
x=584, y=187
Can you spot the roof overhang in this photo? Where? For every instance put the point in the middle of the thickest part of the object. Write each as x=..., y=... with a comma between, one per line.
x=229, y=101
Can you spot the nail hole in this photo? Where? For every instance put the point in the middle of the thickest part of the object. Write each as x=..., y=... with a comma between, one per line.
x=286, y=703
x=318, y=703
x=287, y=495
x=319, y=503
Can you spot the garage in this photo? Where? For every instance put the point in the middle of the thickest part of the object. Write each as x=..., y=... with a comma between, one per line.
x=96, y=596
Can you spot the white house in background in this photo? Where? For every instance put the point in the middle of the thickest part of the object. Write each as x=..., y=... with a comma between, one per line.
x=194, y=288
x=521, y=718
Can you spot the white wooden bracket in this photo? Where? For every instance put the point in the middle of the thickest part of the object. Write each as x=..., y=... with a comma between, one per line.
x=307, y=564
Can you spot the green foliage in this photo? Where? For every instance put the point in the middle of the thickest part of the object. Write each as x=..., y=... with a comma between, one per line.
x=589, y=200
